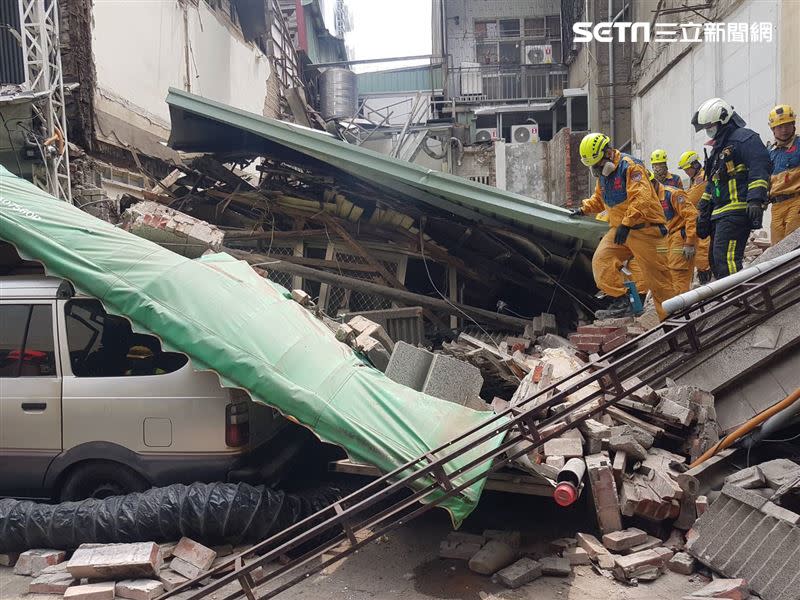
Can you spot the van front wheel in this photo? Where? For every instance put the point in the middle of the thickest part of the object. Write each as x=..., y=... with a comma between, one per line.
x=100, y=479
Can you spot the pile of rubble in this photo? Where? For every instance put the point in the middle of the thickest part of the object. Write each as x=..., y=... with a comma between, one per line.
x=138, y=571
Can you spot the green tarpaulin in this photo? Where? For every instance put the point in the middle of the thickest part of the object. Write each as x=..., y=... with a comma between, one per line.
x=229, y=320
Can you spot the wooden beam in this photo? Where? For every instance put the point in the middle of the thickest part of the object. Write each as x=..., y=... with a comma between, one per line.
x=403, y=296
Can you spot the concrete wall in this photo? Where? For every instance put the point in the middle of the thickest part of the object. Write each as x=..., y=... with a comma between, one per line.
x=790, y=53
x=140, y=51
x=526, y=169
x=461, y=15
x=568, y=181
x=678, y=77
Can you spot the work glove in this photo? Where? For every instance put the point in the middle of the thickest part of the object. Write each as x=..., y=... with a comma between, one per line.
x=688, y=252
x=621, y=235
x=576, y=212
x=755, y=212
x=703, y=228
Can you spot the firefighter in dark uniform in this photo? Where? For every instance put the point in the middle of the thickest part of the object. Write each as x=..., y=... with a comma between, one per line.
x=737, y=172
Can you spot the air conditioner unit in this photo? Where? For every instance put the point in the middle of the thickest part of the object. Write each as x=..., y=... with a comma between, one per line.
x=485, y=134
x=525, y=134
x=539, y=55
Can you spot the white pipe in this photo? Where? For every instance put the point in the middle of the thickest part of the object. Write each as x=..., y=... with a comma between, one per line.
x=720, y=285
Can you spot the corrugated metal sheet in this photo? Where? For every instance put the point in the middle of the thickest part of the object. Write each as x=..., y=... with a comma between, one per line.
x=410, y=79
x=199, y=124
x=11, y=68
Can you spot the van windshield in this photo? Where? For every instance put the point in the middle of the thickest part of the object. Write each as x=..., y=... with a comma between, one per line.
x=103, y=345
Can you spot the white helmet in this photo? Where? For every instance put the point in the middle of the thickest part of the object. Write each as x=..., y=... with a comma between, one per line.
x=712, y=112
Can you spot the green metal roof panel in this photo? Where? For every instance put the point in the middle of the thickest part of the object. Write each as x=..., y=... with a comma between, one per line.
x=457, y=195
x=411, y=79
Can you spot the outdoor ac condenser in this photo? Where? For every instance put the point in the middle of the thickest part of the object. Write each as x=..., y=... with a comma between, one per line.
x=485, y=134
x=539, y=55
x=525, y=134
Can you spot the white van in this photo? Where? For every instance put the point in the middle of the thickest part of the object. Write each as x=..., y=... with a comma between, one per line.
x=83, y=415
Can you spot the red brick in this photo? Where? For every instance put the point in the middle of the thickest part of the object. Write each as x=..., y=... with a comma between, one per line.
x=191, y=558
x=115, y=561
x=596, y=330
x=92, y=591
x=589, y=347
x=51, y=583
x=139, y=589
x=31, y=562
x=577, y=338
x=608, y=346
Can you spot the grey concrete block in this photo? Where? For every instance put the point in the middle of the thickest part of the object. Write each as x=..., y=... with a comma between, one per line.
x=563, y=446
x=773, y=510
x=452, y=379
x=521, y=572
x=780, y=471
x=555, y=566
x=409, y=365
x=494, y=556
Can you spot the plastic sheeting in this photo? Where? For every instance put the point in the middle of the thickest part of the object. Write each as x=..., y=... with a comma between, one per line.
x=211, y=513
x=232, y=321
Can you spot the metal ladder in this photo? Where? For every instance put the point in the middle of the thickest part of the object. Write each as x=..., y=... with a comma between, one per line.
x=386, y=503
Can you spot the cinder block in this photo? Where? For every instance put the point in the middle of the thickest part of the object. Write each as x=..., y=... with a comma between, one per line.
x=409, y=365
x=51, y=583
x=625, y=539
x=521, y=572
x=494, y=555
x=32, y=562
x=92, y=591
x=452, y=379
x=115, y=561
x=555, y=566
x=139, y=589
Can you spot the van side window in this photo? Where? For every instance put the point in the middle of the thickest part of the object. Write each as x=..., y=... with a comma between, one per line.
x=103, y=345
x=27, y=347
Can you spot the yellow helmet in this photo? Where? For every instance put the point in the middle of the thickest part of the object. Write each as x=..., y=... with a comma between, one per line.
x=687, y=158
x=592, y=147
x=783, y=113
x=658, y=156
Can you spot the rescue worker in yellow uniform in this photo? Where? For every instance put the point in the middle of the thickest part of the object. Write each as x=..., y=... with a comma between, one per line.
x=689, y=163
x=784, y=190
x=637, y=226
x=658, y=162
x=681, y=218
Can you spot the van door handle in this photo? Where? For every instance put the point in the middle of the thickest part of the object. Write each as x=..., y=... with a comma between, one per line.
x=36, y=406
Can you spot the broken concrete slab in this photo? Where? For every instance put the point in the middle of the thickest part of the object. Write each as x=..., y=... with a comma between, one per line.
x=409, y=365
x=173, y=229
x=779, y=472
x=681, y=563
x=460, y=546
x=91, y=591
x=644, y=438
x=51, y=583
x=492, y=557
x=521, y=572
x=566, y=447
x=139, y=589
x=628, y=445
x=374, y=351
x=674, y=412
x=735, y=589
x=555, y=566
x=749, y=478
x=624, y=539
x=115, y=561
x=32, y=562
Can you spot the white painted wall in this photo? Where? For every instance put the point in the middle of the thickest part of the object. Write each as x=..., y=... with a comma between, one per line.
x=745, y=74
x=139, y=52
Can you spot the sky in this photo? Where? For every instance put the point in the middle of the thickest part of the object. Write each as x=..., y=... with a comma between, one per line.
x=386, y=28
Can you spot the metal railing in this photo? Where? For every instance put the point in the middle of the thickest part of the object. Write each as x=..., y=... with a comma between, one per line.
x=385, y=505
x=499, y=82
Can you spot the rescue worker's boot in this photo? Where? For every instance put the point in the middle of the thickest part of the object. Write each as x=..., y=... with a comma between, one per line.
x=705, y=277
x=619, y=307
